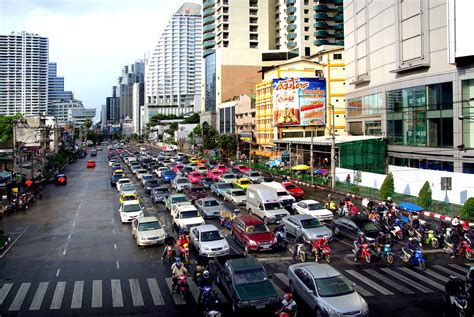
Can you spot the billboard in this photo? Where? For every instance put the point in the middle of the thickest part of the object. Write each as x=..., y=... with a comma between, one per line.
x=299, y=102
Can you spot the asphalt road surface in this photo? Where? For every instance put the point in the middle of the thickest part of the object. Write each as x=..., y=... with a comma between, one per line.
x=71, y=256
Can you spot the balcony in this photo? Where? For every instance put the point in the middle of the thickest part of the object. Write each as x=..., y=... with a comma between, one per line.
x=291, y=19
x=290, y=2
x=339, y=43
x=291, y=44
x=208, y=36
x=207, y=4
x=208, y=28
x=291, y=36
x=339, y=18
x=321, y=34
x=208, y=20
x=339, y=36
x=321, y=25
x=338, y=2
x=321, y=8
x=321, y=17
x=291, y=27
x=291, y=10
x=208, y=52
x=339, y=27
x=208, y=44
x=321, y=42
x=209, y=11
x=340, y=9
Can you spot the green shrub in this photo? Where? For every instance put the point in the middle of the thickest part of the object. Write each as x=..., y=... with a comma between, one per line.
x=467, y=211
x=388, y=188
x=424, y=196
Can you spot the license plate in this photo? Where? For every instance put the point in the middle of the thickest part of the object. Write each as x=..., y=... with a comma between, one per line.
x=265, y=246
x=260, y=306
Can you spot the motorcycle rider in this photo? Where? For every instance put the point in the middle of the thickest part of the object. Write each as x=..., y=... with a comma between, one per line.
x=421, y=230
x=415, y=222
x=456, y=235
x=389, y=203
x=360, y=241
x=288, y=305
x=380, y=242
x=410, y=248
x=178, y=270
x=170, y=249
x=319, y=245
x=297, y=245
x=453, y=288
x=205, y=280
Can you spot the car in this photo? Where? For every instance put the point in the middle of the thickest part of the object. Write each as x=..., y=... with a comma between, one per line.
x=352, y=227
x=185, y=216
x=307, y=226
x=208, y=241
x=146, y=177
x=60, y=179
x=294, y=190
x=114, y=178
x=325, y=290
x=202, y=169
x=128, y=189
x=93, y=152
x=117, y=171
x=112, y=161
x=214, y=174
x=128, y=197
x=4, y=239
x=140, y=172
x=90, y=164
x=242, y=168
x=134, y=168
x=130, y=210
x=242, y=183
x=236, y=196
x=194, y=177
x=180, y=183
x=209, y=207
x=195, y=192
x=152, y=184
x=235, y=171
x=186, y=170
x=159, y=170
x=221, y=167
x=227, y=178
x=313, y=208
x=177, y=168
x=168, y=175
x=148, y=231
x=122, y=181
x=254, y=176
x=250, y=232
x=174, y=199
x=263, y=180
x=220, y=188
x=206, y=182
x=159, y=194
x=193, y=159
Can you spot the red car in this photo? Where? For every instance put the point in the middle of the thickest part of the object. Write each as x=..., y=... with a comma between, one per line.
x=90, y=164
x=194, y=177
x=177, y=168
x=221, y=167
x=214, y=174
x=294, y=190
x=195, y=192
x=252, y=234
x=242, y=168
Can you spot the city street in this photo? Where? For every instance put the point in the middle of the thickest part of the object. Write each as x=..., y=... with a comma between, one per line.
x=71, y=255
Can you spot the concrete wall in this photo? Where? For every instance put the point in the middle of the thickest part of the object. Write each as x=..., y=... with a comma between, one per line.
x=409, y=181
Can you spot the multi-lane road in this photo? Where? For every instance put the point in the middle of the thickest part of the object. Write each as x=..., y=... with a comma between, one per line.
x=72, y=256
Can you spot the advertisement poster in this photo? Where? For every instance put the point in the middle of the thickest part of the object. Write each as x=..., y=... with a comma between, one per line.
x=299, y=101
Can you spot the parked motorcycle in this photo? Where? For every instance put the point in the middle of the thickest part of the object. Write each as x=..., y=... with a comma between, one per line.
x=417, y=260
x=365, y=252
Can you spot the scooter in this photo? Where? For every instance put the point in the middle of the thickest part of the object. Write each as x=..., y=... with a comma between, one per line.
x=282, y=240
x=464, y=248
x=365, y=251
x=182, y=286
x=325, y=254
x=429, y=239
x=417, y=260
x=387, y=254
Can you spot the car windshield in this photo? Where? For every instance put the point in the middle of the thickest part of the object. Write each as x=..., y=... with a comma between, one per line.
x=333, y=286
x=368, y=226
x=147, y=177
x=131, y=208
x=281, y=193
x=189, y=214
x=197, y=190
x=182, y=181
x=153, y=182
x=224, y=186
x=124, y=181
x=317, y=206
x=180, y=199
x=258, y=228
x=128, y=187
x=254, y=174
x=129, y=197
x=238, y=193
x=250, y=276
x=310, y=223
x=170, y=173
x=228, y=176
x=245, y=182
x=272, y=206
x=206, y=179
x=211, y=236
x=211, y=203
x=147, y=226
x=117, y=176
x=216, y=172
x=291, y=186
x=162, y=190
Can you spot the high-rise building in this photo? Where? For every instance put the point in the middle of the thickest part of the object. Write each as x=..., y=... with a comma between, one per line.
x=23, y=74
x=60, y=108
x=130, y=75
x=137, y=102
x=173, y=68
x=112, y=106
x=56, y=85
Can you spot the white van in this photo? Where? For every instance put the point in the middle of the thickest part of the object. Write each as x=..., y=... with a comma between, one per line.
x=263, y=202
x=284, y=197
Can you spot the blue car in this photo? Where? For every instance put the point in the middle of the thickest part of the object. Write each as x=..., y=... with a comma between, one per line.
x=168, y=175
x=220, y=188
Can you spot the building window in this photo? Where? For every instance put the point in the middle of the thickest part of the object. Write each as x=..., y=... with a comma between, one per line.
x=337, y=56
x=367, y=105
x=306, y=29
x=467, y=125
x=306, y=20
x=306, y=11
x=306, y=38
x=307, y=50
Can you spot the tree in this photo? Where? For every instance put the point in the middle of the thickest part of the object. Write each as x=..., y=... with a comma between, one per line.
x=357, y=181
x=424, y=196
x=209, y=135
x=87, y=124
x=228, y=144
x=192, y=119
x=6, y=127
x=388, y=187
x=61, y=158
x=468, y=209
x=172, y=128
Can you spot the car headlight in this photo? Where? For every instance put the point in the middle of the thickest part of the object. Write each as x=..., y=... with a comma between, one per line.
x=251, y=242
x=206, y=249
x=365, y=307
x=333, y=313
x=226, y=246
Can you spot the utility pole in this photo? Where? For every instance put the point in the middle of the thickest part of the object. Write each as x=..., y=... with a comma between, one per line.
x=14, y=147
x=56, y=136
x=250, y=149
x=333, y=149
x=311, y=157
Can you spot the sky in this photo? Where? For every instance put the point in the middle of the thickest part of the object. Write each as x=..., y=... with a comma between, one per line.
x=91, y=40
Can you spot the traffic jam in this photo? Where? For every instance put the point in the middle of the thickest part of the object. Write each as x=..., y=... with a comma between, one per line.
x=218, y=224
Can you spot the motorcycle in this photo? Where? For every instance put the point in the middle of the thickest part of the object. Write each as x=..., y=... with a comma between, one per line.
x=429, y=239
x=282, y=240
x=184, y=250
x=301, y=251
x=387, y=254
x=282, y=313
x=171, y=253
x=417, y=260
x=182, y=286
x=365, y=251
x=395, y=230
x=464, y=248
x=325, y=254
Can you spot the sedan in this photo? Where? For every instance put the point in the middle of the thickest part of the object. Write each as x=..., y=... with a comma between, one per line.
x=307, y=226
x=313, y=208
x=294, y=190
x=90, y=164
x=159, y=194
x=194, y=177
x=236, y=196
x=227, y=178
x=130, y=210
x=214, y=174
x=326, y=291
x=122, y=181
x=60, y=179
x=180, y=183
x=146, y=177
x=206, y=182
x=151, y=185
x=168, y=175
x=209, y=207
x=114, y=178
x=201, y=169
x=128, y=189
x=128, y=197
x=140, y=173
x=221, y=167
x=220, y=188
x=352, y=227
x=148, y=231
x=175, y=199
x=242, y=183
x=242, y=168
x=208, y=241
x=159, y=170
x=195, y=192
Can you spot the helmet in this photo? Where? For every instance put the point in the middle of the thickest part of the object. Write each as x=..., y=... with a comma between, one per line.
x=179, y=264
x=381, y=234
x=361, y=234
x=471, y=268
x=455, y=222
x=288, y=296
x=205, y=274
x=185, y=245
x=410, y=239
x=389, y=198
x=325, y=239
x=178, y=259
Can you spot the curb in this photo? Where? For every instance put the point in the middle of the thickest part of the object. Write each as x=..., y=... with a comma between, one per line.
x=441, y=217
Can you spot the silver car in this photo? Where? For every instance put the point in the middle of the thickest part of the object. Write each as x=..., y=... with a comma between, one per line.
x=325, y=290
x=209, y=207
x=180, y=183
x=306, y=225
x=208, y=241
x=148, y=231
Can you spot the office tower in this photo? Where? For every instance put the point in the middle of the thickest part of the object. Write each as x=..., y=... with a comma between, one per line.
x=112, y=105
x=56, y=85
x=131, y=74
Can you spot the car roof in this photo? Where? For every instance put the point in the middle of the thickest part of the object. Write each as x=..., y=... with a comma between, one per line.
x=186, y=207
x=317, y=270
x=301, y=217
x=249, y=262
x=175, y=195
x=250, y=220
x=207, y=199
x=243, y=179
x=309, y=201
x=148, y=219
x=205, y=228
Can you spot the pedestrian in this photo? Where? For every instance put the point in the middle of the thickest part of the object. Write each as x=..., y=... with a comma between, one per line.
x=348, y=178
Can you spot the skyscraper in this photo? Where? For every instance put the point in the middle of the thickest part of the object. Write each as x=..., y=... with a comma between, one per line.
x=56, y=85
x=23, y=74
x=112, y=106
x=130, y=75
x=173, y=69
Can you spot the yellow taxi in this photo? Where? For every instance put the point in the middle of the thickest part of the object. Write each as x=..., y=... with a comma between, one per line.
x=128, y=197
x=194, y=159
x=242, y=183
x=119, y=172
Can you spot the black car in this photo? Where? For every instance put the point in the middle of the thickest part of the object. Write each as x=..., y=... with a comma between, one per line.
x=115, y=178
x=152, y=184
x=235, y=171
x=60, y=179
x=206, y=182
x=159, y=194
x=351, y=227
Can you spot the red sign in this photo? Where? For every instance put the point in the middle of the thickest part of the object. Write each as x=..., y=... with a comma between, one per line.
x=29, y=182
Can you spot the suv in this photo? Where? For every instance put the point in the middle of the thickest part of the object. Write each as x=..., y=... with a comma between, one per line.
x=252, y=234
x=195, y=192
x=185, y=216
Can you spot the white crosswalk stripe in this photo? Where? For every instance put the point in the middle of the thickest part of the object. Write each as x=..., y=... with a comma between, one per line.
x=96, y=294
x=137, y=297
x=450, y=272
x=402, y=289
x=4, y=291
x=406, y=280
x=20, y=297
x=360, y=289
x=117, y=298
x=155, y=291
x=58, y=295
x=76, y=301
x=460, y=268
x=369, y=282
x=39, y=295
x=194, y=289
x=422, y=278
x=436, y=275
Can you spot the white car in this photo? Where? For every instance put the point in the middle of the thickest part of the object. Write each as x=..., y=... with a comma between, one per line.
x=148, y=231
x=146, y=177
x=208, y=241
x=127, y=188
x=254, y=176
x=235, y=195
x=186, y=216
x=201, y=169
x=313, y=208
x=159, y=170
x=122, y=181
x=130, y=210
x=140, y=173
x=227, y=178
x=180, y=183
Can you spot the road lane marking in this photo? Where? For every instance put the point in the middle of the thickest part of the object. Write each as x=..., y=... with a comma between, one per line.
x=194, y=289
x=450, y=272
x=14, y=241
x=76, y=301
x=391, y=283
x=137, y=297
x=96, y=294
x=113, y=231
x=369, y=282
x=57, y=272
x=155, y=291
x=115, y=246
x=406, y=280
x=20, y=297
x=275, y=259
x=69, y=237
x=422, y=278
x=459, y=267
x=176, y=297
x=58, y=295
x=346, y=243
x=117, y=264
x=4, y=291
x=117, y=298
x=39, y=295
x=64, y=252
x=73, y=224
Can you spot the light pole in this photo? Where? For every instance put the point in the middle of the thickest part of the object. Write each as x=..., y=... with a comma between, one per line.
x=333, y=149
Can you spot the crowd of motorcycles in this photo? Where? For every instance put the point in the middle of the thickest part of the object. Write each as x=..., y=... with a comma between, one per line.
x=21, y=202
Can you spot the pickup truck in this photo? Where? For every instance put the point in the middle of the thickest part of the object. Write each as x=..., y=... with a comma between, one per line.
x=185, y=216
x=244, y=281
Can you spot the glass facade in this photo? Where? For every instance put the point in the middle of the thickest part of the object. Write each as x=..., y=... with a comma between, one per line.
x=421, y=116
x=227, y=120
x=210, y=82
x=367, y=105
x=468, y=113
x=421, y=163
